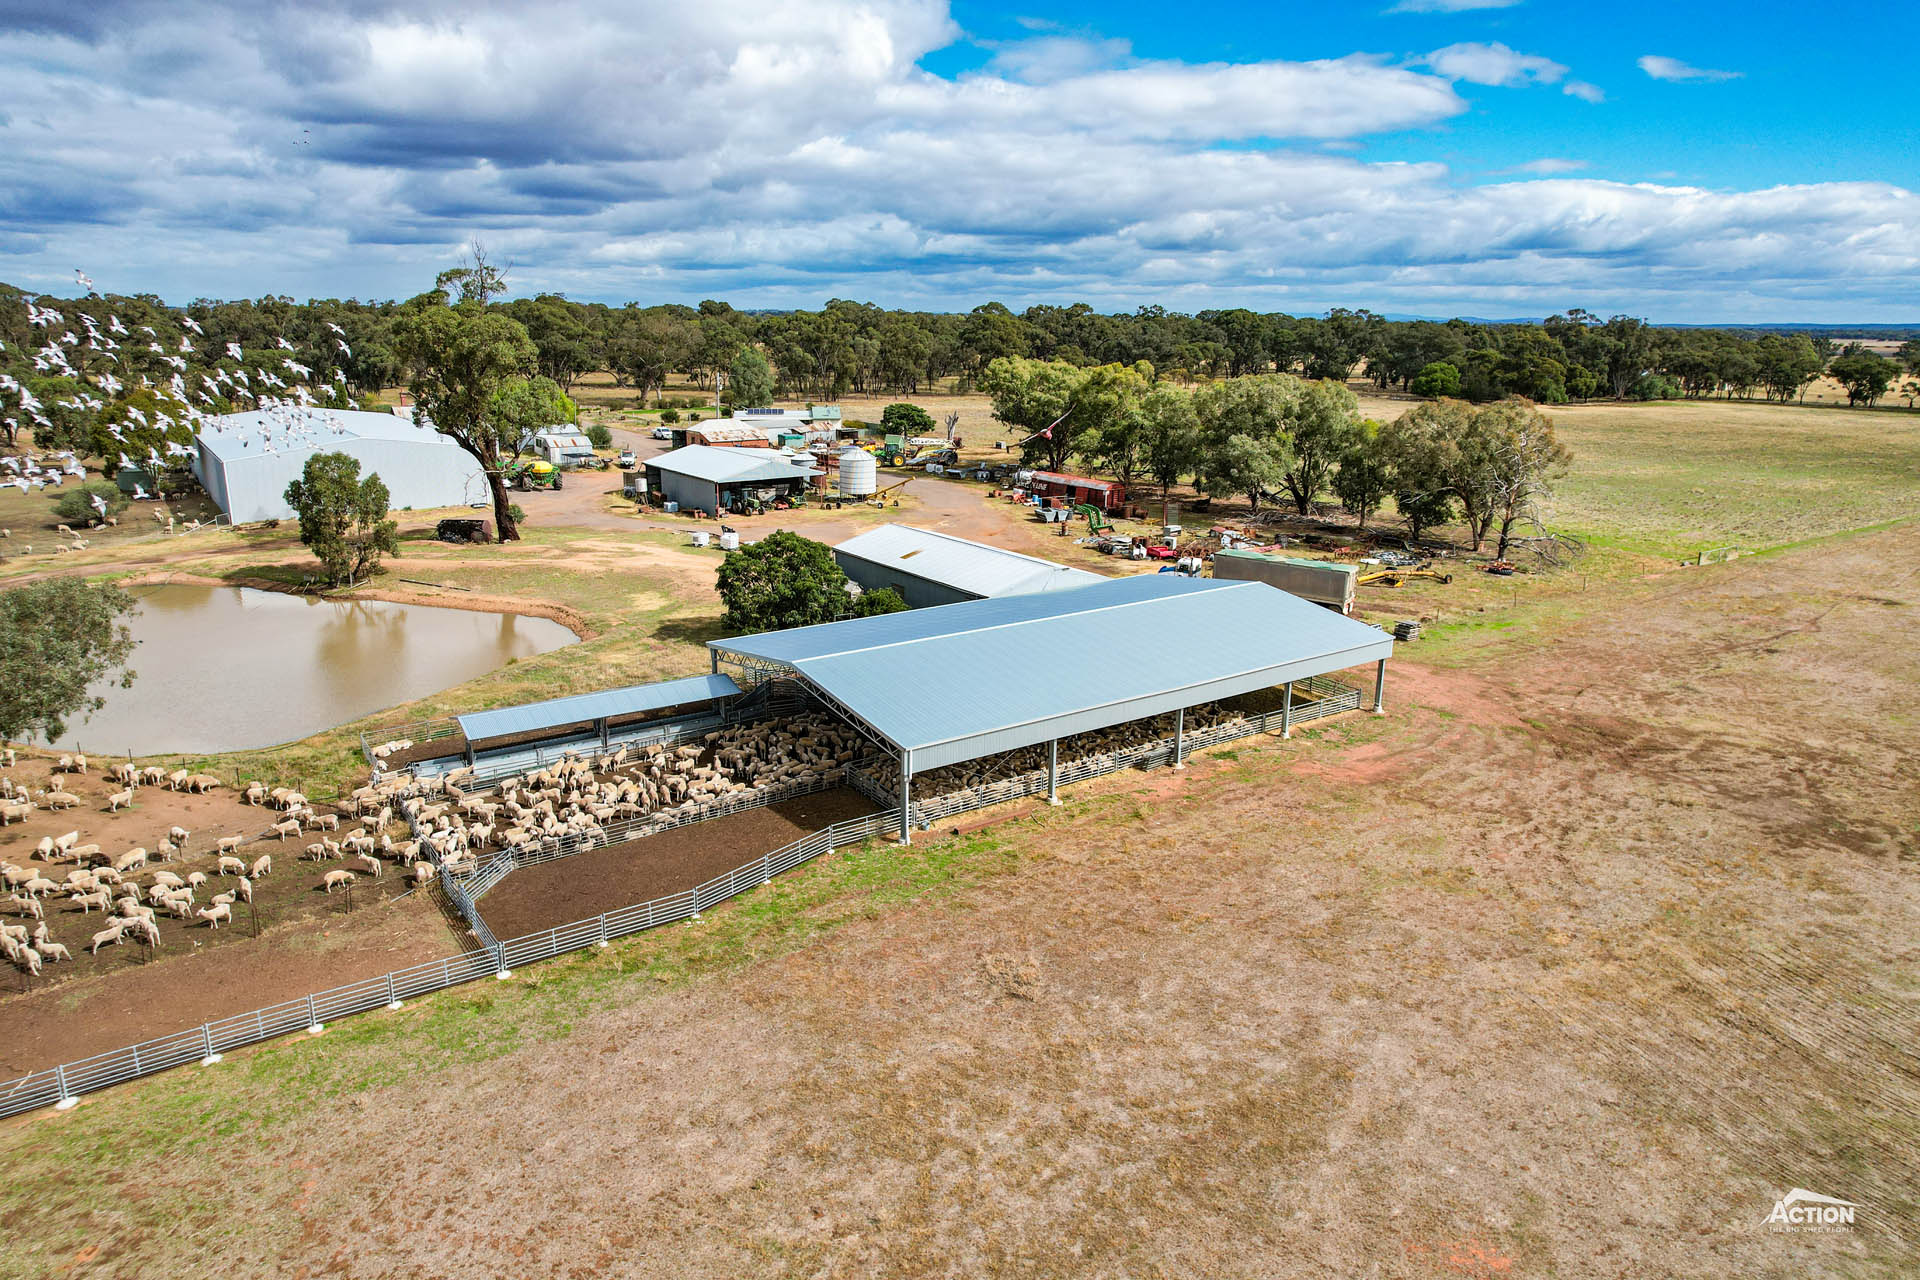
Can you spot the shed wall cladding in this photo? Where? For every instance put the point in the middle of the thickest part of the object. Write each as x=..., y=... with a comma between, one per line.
x=688, y=491
x=420, y=475
x=917, y=592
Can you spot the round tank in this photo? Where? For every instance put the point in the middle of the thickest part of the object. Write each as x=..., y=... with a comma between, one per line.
x=699, y=537
x=858, y=475
x=729, y=542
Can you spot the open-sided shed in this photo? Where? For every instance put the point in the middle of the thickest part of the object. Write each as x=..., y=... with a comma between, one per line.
x=956, y=682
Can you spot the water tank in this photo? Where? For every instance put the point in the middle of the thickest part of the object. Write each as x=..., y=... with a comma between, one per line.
x=671, y=508
x=729, y=541
x=699, y=537
x=858, y=475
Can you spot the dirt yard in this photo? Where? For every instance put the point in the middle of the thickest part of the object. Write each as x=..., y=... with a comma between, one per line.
x=557, y=893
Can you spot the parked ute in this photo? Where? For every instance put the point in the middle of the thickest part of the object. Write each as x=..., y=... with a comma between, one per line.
x=627, y=460
x=663, y=433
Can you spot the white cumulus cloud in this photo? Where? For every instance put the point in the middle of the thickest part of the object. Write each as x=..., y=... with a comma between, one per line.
x=1661, y=67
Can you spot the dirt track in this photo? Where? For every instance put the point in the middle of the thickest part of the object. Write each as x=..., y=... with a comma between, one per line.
x=557, y=893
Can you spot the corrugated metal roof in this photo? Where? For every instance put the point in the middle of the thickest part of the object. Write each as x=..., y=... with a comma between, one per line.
x=965, y=680
x=1305, y=562
x=301, y=429
x=717, y=465
x=633, y=700
x=969, y=566
x=1078, y=482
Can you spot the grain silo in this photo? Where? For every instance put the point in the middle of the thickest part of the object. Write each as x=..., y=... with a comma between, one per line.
x=859, y=477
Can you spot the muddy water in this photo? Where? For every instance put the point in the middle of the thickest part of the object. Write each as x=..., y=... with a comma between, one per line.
x=228, y=669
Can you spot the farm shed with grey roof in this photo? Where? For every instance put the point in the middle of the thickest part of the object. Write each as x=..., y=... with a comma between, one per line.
x=713, y=479
x=929, y=568
x=942, y=685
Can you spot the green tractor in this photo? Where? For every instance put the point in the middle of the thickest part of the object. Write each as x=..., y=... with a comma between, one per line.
x=528, y=474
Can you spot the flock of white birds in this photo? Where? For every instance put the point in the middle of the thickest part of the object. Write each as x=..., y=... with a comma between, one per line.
x=87, y=349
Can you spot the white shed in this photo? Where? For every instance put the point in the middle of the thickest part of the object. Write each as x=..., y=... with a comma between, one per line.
x=246, y=460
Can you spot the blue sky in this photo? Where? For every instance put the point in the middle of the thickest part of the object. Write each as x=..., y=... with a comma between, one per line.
x=1436, y=157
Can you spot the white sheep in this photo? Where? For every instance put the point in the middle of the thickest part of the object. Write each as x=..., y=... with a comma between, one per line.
x=233, y=866
x=119, y=800
x=244, y=889
x=27, y=906
x=179, y=835
x=111, y=934
x=262, y=866
x=335, y=879
x=54, y=951
x=215, y=914
x=131, y=860
x=227, y=844
x=283, y=830
x=372, y=864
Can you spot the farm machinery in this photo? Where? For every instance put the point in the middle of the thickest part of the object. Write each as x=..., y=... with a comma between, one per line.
x=1400, y=577
x=527, y=474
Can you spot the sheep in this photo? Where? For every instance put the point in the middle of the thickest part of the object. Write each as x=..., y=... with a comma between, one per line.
x=152, y=776
x=87, y=855
x=66, y=842
x=423, y=873
x=182, y=908
x=179, y=835
x=44, y=850
x=15, y=812
x=39, y=885
x=166, y=849
x=113, y=933
x=131, y=860
x=29, y=906
x=125, y=772
x=167, y=880
x=334, y=879
x=147, y=931
x=54, y=951
x=282, y=830
x=119, y=800
x=226, y=899
x=292, y=800
x=254, y=794
x=64, y=799
x=372, y=864
x=129, y=910
x=227, y=844
x=177, y=779
x=232, y=866
x=244, y=889
x=262, y=866
x=195, y=879
x=30, y=961
x=108, y=876
x=215, y=914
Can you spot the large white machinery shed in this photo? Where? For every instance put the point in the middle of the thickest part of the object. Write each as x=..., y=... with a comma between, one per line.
x=713, y=479
x=245, y=460
x=940, y=686
x=929, y=568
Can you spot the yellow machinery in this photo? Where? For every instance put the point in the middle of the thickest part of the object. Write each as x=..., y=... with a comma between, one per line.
x=1400, y=577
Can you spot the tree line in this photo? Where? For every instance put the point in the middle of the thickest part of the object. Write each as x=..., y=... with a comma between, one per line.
x=854, y=348
x=1275, y=437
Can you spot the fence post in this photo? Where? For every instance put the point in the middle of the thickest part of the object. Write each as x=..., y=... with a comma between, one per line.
x=603, y=928
x=1380, y=688
x=314, y=1025
x=67, y=1100
x=500, y=962
x=393, y=996
x=1179, y=738
x=1286, y=712
x=206, y=1038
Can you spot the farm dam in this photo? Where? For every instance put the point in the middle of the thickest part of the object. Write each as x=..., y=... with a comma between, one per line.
x=547, y=827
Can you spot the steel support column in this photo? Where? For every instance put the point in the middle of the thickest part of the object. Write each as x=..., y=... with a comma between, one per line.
x=1380, y=688
x=906, y=797
x=1286, y=711
x=1180, y=738
x=1053, y=771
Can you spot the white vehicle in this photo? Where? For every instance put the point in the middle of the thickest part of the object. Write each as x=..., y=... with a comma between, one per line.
x=663, y=433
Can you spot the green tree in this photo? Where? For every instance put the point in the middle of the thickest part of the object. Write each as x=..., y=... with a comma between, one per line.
x=1247, y=440
x=1418, y=446
x=885, y=600
x=1785, y=364
x=86, y=503
x=1321, y=423
x=521, y=408
x=460, y=356
x=781, y=581
x=1171, y=444
x=906, y=419
x=1438, y=380
x=343, y=519
x=59, y=640
x=1365, y=477
x=750, y=380
x=1865, y=374
x=1526, y=460
x=1037, y=397
x=599, y=435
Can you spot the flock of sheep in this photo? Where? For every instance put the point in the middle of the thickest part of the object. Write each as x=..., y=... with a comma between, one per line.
x=137, y=887
x=581, y=797
x=1122, y=737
